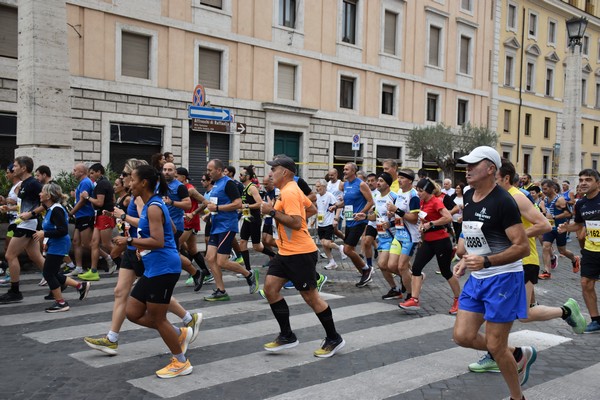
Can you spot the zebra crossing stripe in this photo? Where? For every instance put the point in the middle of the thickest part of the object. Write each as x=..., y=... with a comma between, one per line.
x=79, y=309
x=582, y=384
x=263, y=362
x=395, y=379
x=148, y=348
x=221, y=310
x=382, y=382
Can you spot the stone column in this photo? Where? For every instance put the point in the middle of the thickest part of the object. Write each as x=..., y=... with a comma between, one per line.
x=570, y=139
x=44, y=106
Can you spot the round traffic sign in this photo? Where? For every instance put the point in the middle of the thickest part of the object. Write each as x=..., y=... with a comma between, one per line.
x=199, y=96
x=356, y=138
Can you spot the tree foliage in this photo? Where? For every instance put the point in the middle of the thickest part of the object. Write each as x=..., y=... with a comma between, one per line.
x=438, y=143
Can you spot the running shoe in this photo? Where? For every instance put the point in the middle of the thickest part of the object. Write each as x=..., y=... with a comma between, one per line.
x=329, y=347
x=289, y=285
x=576, y=319
x=175, y=369
x=76, y=271
x=200, y=282
x=43, y=282
x=322, y=255
x=102, y=344
x=89, y=276
x=392, y=294
x=6, y=280
x=11, y=297
x=438, y=272
x=332, y=265
x=253, y=282
x=524, y=364
x=282, y=342
x=209, y=278
x=262, y=294
x=84, y=290
x=411, y=304
x=553, y=261
x=367, y=276
x=50, y=296
x=218, y=295
x=58, y=307
x=592, y=327
x=454, y=308
x=194, y=324
x=239, y=260
x=576, y=264
x=485, y=364
x=321, y=281
x=342, y=254
x=112, y=266
x=545, y=275
x=190, y=281
x=185, y=338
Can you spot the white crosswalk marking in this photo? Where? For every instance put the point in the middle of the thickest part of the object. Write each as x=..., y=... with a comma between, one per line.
x=226, y=326
x=263, y=362
x=582, y=385
x=148, y=348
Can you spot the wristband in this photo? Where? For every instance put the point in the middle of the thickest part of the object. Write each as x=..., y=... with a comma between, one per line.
x=33, y=214
x=399, y=212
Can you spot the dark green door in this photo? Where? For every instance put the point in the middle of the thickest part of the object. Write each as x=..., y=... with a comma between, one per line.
x=287, y=143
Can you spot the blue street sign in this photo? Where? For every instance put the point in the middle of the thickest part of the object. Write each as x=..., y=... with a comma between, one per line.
x=214, y=114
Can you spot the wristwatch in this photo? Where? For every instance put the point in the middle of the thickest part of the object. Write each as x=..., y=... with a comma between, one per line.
x=272, y=213
x=129, y=240
x=486, y=262
x=123, y=216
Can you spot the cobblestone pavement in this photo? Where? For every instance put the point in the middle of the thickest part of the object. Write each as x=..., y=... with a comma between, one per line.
x=389, y=353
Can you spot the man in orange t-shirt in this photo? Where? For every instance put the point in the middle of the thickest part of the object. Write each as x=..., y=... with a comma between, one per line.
x=296, y=261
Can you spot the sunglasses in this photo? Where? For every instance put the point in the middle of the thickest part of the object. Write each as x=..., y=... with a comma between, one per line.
x=125, y=174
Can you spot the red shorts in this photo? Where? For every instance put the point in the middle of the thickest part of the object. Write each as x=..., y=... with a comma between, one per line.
x=104, y=222
x=193, y=223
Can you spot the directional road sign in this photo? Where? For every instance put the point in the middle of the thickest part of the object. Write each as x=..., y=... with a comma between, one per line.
x=215, y=114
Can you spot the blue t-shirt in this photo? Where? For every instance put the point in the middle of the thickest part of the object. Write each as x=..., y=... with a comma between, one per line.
x=224, y=221
x=87, y=210
x=354, y=197
x=177, y=192
x=164, y=260
x=56, y=229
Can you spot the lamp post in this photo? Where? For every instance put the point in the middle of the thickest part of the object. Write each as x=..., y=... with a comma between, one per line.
x=569, y=142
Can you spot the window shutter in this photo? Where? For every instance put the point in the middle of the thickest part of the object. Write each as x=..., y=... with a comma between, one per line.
x=389, y=41
x=286, y=81
x=8, y=32
x=434, y=45
x=209, y=68
x=135, y=55
x=464, y=54
x=213, y=3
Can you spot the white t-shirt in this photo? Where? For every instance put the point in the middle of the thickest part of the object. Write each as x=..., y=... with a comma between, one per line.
x=458, y=201
x=324, y=216
x=381, y=213
x=449, y=192
x=334, y=189
x=374, y=193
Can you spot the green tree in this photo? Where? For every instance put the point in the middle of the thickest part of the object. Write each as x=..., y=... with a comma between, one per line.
x=438, y=144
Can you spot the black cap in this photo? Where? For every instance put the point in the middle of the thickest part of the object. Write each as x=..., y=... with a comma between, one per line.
x=284, y=161
x=407, y=173
x=183, y=171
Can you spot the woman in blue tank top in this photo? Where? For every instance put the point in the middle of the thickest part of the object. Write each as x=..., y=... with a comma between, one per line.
x=55, y=235
x=148, y=302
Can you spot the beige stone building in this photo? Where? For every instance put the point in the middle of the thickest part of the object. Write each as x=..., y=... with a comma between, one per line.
x=104, y=80
x=532, y=44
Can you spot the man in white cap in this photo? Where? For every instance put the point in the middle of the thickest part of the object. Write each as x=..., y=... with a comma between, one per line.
x=493, y=246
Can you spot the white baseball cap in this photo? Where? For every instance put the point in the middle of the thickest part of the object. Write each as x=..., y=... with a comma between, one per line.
x=482, y=153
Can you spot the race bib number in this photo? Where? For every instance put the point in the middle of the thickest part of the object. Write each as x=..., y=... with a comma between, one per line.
x=475, y=241
x=422, y=215
x=399, y=222
x=246, y=212
x=214, y=200
x=592, y=231
x=380, y=222
x=349, y=212
x=320, y=218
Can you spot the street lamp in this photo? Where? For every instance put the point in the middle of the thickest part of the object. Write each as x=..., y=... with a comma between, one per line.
x=569, y=142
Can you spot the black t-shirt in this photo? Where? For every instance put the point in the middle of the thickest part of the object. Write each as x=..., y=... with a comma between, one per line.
x=498, y=211
x=304, y=186
x=103, y=187
x=29, y=194
x=232, y=191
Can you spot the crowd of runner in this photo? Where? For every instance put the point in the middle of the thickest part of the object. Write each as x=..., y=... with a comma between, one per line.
x=144, y=225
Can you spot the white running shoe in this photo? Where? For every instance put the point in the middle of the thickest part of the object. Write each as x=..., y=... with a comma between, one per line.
x=332, y=265
x=75, y=272
x=42, y=282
